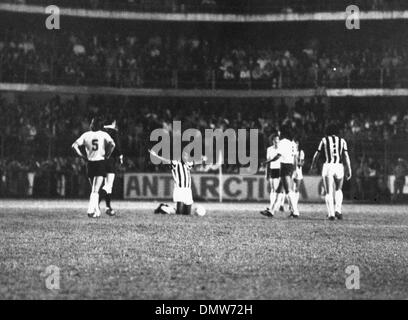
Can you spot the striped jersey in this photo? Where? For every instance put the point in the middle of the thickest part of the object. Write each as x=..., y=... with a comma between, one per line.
x=300, y=157
x=333, y=148
x=181, y=172
x=114, y=133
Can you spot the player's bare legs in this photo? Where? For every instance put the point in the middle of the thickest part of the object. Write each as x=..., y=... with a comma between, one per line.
x=328, y=187
x=93, y=208
x=274, y=184
x=284, y=189
x=280, y=197
x=296, y=187
x=338, y=197
x=287, y=181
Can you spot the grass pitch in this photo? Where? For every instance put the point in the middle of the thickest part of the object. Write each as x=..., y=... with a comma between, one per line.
x=231, y=253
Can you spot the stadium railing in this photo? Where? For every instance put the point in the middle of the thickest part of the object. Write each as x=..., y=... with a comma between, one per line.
x=223, y=6
x=208, y=79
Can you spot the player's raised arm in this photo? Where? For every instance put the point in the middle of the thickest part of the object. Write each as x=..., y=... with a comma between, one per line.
x=201, y=162
x=164, y=160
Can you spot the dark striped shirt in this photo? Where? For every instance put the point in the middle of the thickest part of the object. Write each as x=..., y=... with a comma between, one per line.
x=181, y=173
x=333, y=148
x=114, y=133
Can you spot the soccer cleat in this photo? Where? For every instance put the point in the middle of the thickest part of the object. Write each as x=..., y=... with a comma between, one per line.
x=110, y=212
x=292, y=215
x=338, y=215
x=267, y=213
x=331, y=218
x=94, y=215
x=158, y=209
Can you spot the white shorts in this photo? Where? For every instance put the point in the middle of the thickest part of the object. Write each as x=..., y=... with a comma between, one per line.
x=298, y=174
x=184, y=195
x=335, y=170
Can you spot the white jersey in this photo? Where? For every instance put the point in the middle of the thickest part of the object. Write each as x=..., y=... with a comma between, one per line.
x=287, y=149
x=271, y=153
x=95, y=143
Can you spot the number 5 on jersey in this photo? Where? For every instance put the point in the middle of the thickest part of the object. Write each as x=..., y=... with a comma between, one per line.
x=95, y=145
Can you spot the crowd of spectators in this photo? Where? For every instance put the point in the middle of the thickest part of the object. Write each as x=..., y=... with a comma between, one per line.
x=37, y=136
x=166, y=60
x=224, y=6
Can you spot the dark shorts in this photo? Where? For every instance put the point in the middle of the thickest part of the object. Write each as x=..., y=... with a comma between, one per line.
x=110, y=165
x=96, y=169
x=286, y=170
x=273, y=173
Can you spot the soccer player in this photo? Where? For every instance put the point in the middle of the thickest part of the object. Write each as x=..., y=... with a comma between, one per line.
x=98, y=146
x=286, y=154
x=272, y=172
x=335, y=152
x=400, y=171
x=298, y=174
x=181, y=171
x=112, y=129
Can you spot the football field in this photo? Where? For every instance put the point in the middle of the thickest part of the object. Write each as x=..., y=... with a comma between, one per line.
x=231, y=253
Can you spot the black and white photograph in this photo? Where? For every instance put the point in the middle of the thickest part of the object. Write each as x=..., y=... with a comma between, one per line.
x=215, y=152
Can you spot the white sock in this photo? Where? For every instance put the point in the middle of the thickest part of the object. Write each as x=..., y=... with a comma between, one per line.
x=330, y=204
x=278, y=201
x=297, y=198
x=281, y=200
x=272, y=198
x=293, y=203
x=95, y=202
x=338, y=197
x=90, y=205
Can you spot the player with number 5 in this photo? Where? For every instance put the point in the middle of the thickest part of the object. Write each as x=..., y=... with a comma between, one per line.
x=98, y=146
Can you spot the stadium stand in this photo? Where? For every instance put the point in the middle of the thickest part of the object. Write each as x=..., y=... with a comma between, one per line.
x=115, y=56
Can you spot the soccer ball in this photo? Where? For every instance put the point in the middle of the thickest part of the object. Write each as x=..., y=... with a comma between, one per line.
x=200, y=211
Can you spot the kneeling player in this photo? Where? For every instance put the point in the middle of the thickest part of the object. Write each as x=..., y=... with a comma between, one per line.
x=99, y=146
x=181, y=171
x=335, y=151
